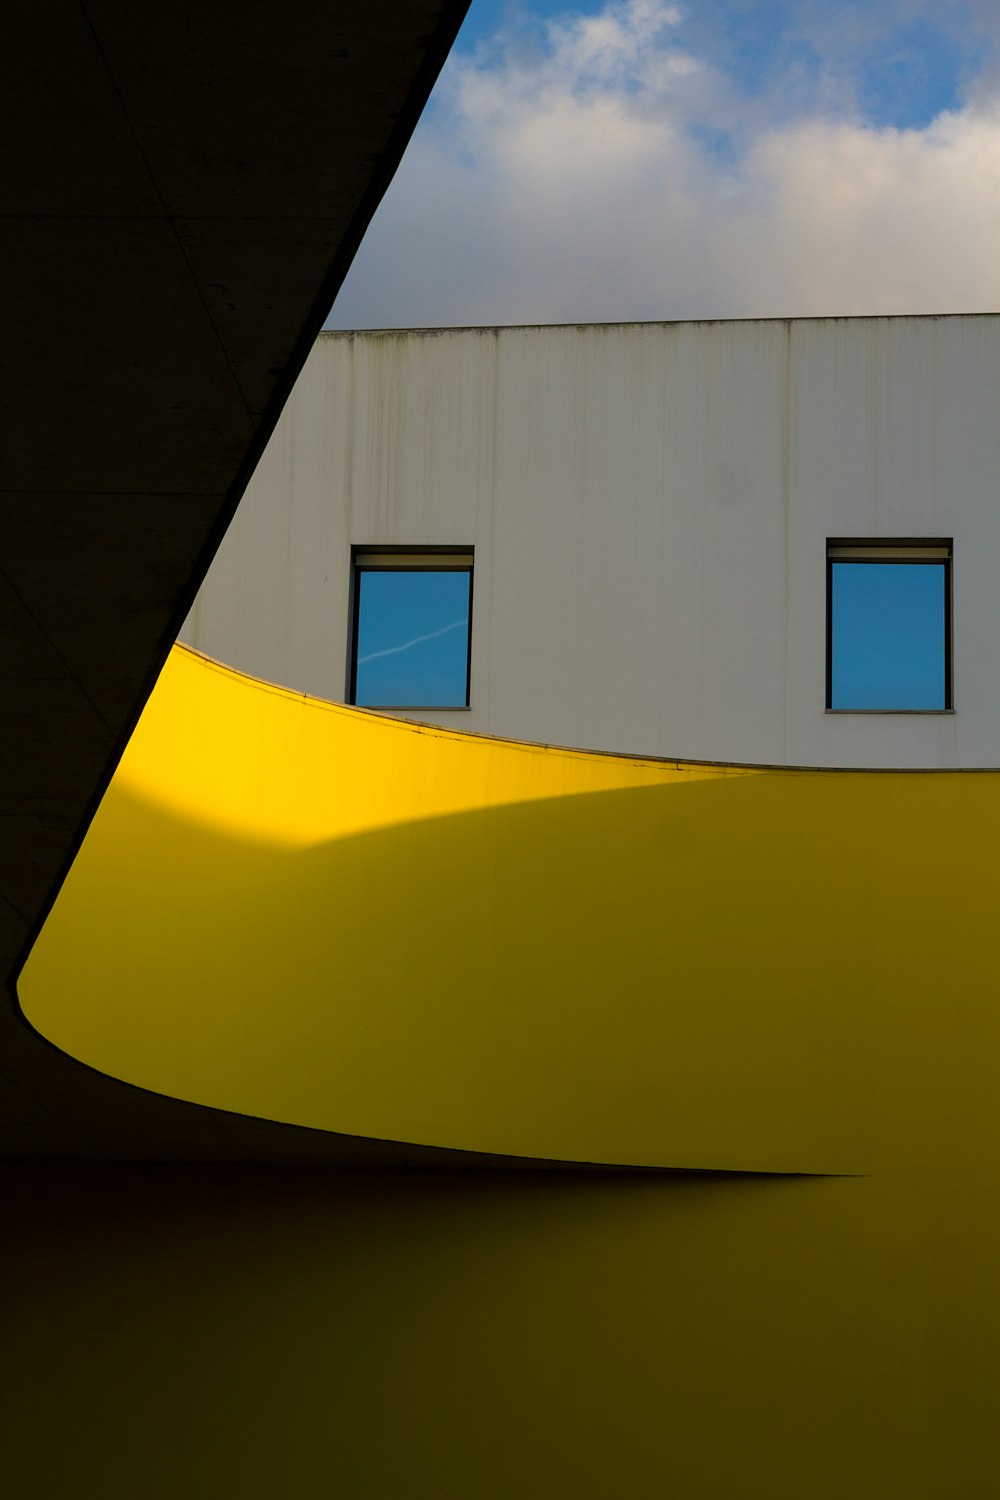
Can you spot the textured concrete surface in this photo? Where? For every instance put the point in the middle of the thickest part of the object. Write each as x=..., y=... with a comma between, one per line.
x=183, y=188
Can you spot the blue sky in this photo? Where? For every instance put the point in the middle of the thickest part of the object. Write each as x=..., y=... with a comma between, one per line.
x=622, y=159
x=901, y=66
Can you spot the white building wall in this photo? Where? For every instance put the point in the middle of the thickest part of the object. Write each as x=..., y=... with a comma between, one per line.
x=649, y=506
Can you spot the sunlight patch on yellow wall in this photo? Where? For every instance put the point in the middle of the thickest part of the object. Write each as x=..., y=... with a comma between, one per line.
x=268, y=766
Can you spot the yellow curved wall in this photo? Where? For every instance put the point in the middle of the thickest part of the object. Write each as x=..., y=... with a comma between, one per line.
x=309, y=913
x=319, y=915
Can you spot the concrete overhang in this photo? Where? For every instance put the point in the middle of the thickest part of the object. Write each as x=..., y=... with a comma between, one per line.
x=184, y=187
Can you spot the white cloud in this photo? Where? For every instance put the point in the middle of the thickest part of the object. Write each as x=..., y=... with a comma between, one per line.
x=581, y=183
x=847, y=220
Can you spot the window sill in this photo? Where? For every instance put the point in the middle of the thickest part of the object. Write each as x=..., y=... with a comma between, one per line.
x=909, y=713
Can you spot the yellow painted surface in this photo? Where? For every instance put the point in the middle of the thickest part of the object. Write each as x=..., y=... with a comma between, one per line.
x=321, y=916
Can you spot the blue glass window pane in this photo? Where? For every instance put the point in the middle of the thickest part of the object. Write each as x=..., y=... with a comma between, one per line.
x=888, y=635
x=413, y=639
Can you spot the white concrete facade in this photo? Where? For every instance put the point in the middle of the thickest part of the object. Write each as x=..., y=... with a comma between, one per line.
x=649, y=506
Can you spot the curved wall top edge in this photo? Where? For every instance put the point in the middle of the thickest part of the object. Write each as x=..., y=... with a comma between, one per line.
x=441, y=728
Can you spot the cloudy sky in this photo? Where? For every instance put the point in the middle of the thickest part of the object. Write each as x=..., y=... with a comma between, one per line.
x=621, y=159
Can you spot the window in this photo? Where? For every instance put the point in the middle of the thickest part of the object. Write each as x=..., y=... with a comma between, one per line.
x=411, y=633
x=888, y=638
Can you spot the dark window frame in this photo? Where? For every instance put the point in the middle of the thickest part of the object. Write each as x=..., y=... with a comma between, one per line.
x=407, y=559
x=889, y=550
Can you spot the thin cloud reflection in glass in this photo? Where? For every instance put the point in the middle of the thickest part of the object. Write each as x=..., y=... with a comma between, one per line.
x=413, y=638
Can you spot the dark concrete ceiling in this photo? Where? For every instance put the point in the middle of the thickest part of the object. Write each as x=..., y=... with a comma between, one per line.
x=183, y=188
